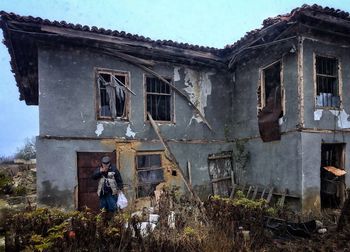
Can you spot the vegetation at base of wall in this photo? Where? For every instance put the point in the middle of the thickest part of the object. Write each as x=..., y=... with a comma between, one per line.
x=222, y=226
x=5, y=183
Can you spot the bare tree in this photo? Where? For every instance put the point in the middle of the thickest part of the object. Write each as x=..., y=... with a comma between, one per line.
x=28, y=150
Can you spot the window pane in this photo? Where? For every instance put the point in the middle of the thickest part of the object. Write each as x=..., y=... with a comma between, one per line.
x=155, y=160
x=152, y=176
x=146, y=190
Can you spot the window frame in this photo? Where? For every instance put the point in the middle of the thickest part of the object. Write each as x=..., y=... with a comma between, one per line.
x=172, y=99
x=339, y=78
x=126, y=75
x=261, y=103
x=151, y=168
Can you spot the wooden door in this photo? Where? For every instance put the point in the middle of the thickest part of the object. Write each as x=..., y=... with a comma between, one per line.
x=87, y=187
x=220, y=167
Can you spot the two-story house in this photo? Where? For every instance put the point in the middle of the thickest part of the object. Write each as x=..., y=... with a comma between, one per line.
x=268, y=111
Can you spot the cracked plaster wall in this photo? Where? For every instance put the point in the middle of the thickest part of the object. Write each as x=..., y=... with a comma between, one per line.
x=67, y=109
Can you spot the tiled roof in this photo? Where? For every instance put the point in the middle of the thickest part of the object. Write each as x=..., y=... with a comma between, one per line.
x=290, y=17
x=94, y=29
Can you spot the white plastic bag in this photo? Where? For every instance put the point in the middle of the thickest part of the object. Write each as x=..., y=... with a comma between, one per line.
x=122, y=201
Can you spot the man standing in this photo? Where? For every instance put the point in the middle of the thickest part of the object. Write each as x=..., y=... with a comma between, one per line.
x=109, y=185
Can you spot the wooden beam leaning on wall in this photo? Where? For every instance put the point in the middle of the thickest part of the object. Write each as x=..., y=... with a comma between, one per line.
x=171, y=156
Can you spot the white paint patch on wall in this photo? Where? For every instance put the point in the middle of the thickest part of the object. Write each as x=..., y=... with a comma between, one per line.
x=198, y=87
x=99, y=129
x=176, y=73
x=129, y=132
x=342, y=116
x=318, y=114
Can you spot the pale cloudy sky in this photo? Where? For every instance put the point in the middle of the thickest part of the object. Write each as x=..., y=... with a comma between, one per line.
x=203, y=22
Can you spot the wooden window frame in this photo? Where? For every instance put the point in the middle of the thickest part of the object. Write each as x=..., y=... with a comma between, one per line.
x=338, y=77
x=261, y=87
x=126, y=75
x=151, y=168
x=172, y=99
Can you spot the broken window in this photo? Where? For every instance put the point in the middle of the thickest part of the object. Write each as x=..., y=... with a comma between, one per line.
x=270, y=102
x=332, y=175
x=112, y=95
x=149, y=174
x=220, y=168
x=158, y=99
x=327, y=82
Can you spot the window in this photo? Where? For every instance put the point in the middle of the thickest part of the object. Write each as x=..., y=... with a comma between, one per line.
x=327, y=82
x=149, y=174
x=158, y=99
x=270, y=90
x=112, y=96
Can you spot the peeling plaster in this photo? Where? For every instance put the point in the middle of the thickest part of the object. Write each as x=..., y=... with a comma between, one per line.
x=198, y=87
x=99, y=129
x=343, y=118
x=343, y=121
x=176, y=73
x=129, y=132
x=318, y=114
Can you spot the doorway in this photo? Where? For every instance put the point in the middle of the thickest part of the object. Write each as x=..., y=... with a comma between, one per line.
x=87, y=187
x=332, y=175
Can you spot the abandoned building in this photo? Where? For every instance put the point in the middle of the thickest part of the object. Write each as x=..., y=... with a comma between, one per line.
x=268, y=111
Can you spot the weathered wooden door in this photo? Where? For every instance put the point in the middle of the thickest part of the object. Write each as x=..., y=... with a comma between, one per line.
x=87, y=187
x=220, y=167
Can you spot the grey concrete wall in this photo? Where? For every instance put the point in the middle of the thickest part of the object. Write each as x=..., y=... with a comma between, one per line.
x=67, y=97
x=275, y=163
x=67, y=102
x=57, y=166
x=311, y=161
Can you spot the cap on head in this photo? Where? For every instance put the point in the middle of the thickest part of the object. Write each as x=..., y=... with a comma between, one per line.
x=106, y=160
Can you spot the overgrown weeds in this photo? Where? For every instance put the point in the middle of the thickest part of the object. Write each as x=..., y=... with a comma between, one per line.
x=228, y=225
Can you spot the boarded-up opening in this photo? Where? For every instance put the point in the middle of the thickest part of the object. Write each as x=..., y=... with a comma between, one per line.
x=87, y=187
x=220, y=167
x=332, y=185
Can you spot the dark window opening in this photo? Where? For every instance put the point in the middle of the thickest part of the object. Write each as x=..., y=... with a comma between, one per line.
x=327, y=83
x=158, y=99
x=149, y=174
x=270, y=103
x=112, y=95
x=332, y=182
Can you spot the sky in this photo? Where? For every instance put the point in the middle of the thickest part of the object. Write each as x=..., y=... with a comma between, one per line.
x=213, y=23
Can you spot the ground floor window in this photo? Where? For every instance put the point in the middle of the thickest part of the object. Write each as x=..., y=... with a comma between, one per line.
x=149, y=173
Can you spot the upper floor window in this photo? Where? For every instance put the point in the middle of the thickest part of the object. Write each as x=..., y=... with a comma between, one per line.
x=270, y=90
x=112, y=96
x=159, y=101
x=327, y=82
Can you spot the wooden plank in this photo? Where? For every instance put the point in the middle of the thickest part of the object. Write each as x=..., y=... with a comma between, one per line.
x=269, y=196
x=220, y=179
x=263, y=193
x=255, y=192
x=219, y=157
x=233, y=185
x=282, y=199
x=170, y=155
x=129, y=42
x=248, y=193
x=189, y=172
